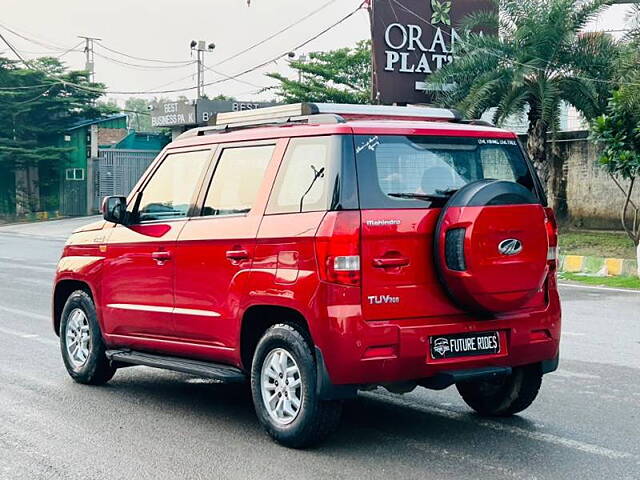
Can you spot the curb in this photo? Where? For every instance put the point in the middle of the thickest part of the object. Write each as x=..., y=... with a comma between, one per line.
x=598, y=265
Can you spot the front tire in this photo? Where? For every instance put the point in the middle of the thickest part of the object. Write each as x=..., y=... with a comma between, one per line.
x=505, y=396
x=81, y=343
x=283, y=386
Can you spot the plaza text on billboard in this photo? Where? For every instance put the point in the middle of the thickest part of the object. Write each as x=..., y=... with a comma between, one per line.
x=407, y=53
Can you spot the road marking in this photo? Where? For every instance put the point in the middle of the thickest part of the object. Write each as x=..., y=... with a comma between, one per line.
x=24, y=266
x=500, y=427
x=567, y=374
x=15, y=311
x=593, y=287
x=29, y=336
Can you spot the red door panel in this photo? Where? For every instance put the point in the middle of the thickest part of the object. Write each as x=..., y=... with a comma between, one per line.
x=213, y=261
x=137, y=282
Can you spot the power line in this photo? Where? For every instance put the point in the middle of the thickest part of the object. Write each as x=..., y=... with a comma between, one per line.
x=143, y=67
x=274, y=35
x=31, y=40
x=36, y=98
x=112, y=50
x=26, y=87
x=297, y=47
x=178, y=90
x=72, y=49
x=14, y=50
x=231, y=78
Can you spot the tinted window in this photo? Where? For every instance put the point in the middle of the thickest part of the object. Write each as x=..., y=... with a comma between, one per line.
x=169, y=192
x=302, y=182
x=392, y=166
x=237, y=179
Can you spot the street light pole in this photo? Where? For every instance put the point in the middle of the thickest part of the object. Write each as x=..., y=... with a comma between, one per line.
x=200, y=47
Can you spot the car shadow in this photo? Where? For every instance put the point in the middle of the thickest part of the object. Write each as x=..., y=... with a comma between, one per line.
x=378, y=429
x=381, y=415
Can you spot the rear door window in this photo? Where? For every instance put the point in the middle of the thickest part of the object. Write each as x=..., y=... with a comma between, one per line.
x=237, y=179
x=302, y=181
x=393, y=169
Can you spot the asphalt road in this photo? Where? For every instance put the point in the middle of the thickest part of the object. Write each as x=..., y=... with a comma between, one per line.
x=153, y=424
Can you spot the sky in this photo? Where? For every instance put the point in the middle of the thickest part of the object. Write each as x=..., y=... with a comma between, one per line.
x=163, y=30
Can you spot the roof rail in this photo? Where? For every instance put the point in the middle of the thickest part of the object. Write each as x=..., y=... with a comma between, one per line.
x=228, y=127
x=320, y=113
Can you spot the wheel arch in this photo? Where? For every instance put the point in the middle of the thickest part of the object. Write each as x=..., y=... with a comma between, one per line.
x=258, y=318
x=61, y=293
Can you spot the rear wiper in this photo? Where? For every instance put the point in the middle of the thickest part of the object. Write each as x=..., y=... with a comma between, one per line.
x=420, y=196
x=447, y=192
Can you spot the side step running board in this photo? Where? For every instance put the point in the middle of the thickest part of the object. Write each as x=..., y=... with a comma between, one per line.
x=224, y=373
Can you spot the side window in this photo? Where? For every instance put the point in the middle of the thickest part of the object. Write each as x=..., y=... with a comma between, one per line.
x=496, y=164
x=301, y=185
x=172, y=187
x=237, y=179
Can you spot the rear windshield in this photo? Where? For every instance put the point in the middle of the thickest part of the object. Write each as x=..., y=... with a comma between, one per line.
x=392, y=169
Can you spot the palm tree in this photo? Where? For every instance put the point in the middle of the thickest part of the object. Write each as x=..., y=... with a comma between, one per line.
x=539, y=59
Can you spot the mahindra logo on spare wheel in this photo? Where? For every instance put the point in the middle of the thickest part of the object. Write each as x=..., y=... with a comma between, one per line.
x=510, y=246
x=411, y=40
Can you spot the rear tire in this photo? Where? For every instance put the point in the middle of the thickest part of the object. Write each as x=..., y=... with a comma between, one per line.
x=81, y=343
x=294, y=417
x=505, y=396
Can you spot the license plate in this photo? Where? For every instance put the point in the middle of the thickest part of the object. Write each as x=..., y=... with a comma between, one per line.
x=464, y=345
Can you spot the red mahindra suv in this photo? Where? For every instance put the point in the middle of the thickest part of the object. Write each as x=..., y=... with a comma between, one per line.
x=315, y=250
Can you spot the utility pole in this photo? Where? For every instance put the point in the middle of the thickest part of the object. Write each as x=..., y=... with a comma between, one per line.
x=88, y=51
x=93, y=136
x=200, y=47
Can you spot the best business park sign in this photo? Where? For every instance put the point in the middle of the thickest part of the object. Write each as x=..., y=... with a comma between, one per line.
x=411, y=40
x=172, y=114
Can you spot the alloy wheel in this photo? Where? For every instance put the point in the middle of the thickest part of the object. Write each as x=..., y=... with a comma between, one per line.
x=78, y=338
x=281, y=386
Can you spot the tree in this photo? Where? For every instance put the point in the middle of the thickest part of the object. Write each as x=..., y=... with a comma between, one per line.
x=138, y=113
x=40, y=103
x=618, y=132
x=337, y=76
x=539, y=60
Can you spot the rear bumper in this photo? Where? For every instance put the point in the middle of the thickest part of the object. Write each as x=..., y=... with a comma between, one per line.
x=360, y=352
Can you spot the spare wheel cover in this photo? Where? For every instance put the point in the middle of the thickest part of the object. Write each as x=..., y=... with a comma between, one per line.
x=491, y=246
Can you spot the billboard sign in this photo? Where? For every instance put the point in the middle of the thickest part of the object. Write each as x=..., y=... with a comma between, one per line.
x=170, y=114
x=411, y=40
x=207, y=109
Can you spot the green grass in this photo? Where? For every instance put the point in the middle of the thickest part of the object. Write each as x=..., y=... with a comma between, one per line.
x=596, y=244
x=616, y=282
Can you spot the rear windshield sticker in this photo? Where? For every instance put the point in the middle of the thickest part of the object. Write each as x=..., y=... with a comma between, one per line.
x=371, y=144
x=496, y=141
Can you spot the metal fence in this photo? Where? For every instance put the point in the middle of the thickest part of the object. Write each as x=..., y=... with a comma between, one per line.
x=115, y=172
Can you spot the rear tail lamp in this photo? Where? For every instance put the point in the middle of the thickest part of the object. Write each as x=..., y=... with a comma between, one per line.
x=552, y=237
x=338, y=248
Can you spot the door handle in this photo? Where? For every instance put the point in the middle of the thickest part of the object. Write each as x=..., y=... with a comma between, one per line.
x=390, y=262
x=237, y=255
x=161, y=257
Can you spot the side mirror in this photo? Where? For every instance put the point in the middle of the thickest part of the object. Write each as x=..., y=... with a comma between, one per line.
x=114, y=209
